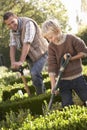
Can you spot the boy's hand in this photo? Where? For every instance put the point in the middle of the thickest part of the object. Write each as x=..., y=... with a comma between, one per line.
x=56, y=92
x=67, y=54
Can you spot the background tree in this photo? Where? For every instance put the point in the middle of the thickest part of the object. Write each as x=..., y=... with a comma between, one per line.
x=84, y=5
x=38, y=10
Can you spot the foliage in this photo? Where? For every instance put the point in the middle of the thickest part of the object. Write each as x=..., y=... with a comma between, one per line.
x=48, y=9
x=4, y=51
x=83, y=34
x=69, y=118
x=26, y=113
x=84, y=5
x=9, y=5
x=14, y=120
x=38, y=10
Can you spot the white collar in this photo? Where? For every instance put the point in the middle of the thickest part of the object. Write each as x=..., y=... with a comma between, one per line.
x=62, y=40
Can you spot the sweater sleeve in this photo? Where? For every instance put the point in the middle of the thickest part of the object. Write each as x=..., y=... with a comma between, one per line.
x=79, y=45
x=52, y=61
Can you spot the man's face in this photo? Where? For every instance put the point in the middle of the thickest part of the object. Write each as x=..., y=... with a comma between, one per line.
x=12, y=22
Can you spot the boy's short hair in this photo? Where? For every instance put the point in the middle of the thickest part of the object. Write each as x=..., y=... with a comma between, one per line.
x=51, y=25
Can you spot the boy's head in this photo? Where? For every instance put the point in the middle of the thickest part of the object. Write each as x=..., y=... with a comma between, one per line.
x=51, y=29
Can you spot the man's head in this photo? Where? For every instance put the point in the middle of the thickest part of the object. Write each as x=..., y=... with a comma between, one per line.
x=11, y=20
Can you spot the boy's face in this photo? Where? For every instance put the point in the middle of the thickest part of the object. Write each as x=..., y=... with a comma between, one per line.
x=12, y=23
x=52, y=37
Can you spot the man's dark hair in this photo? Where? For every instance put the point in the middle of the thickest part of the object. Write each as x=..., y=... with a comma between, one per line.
x=7, y=15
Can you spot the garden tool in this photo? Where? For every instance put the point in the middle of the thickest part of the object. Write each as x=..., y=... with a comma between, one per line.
x=21, y=68
x=63, y=65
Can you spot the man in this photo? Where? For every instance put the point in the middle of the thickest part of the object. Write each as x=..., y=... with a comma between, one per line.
x=25, y=35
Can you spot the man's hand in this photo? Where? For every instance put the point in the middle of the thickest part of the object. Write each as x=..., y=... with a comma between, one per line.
x=16, y=65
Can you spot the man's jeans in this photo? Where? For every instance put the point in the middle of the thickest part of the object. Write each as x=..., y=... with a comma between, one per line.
x=79, y=85
x=36, y=75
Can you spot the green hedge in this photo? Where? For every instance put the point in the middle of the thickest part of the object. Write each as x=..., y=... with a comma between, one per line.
x=83, y=35
x=69, y=118
x=33, y=103
x=73, y=118
x=8, y=93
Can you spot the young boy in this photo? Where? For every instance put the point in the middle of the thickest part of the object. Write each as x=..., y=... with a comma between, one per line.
x=72, y=78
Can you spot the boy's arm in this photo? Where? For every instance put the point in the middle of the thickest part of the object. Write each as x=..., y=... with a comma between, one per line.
x=78, y=56
x=52, y=80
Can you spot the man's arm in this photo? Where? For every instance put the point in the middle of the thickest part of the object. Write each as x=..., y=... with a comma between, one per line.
x=29, y=37
x=12, y=54
x=25, y=51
